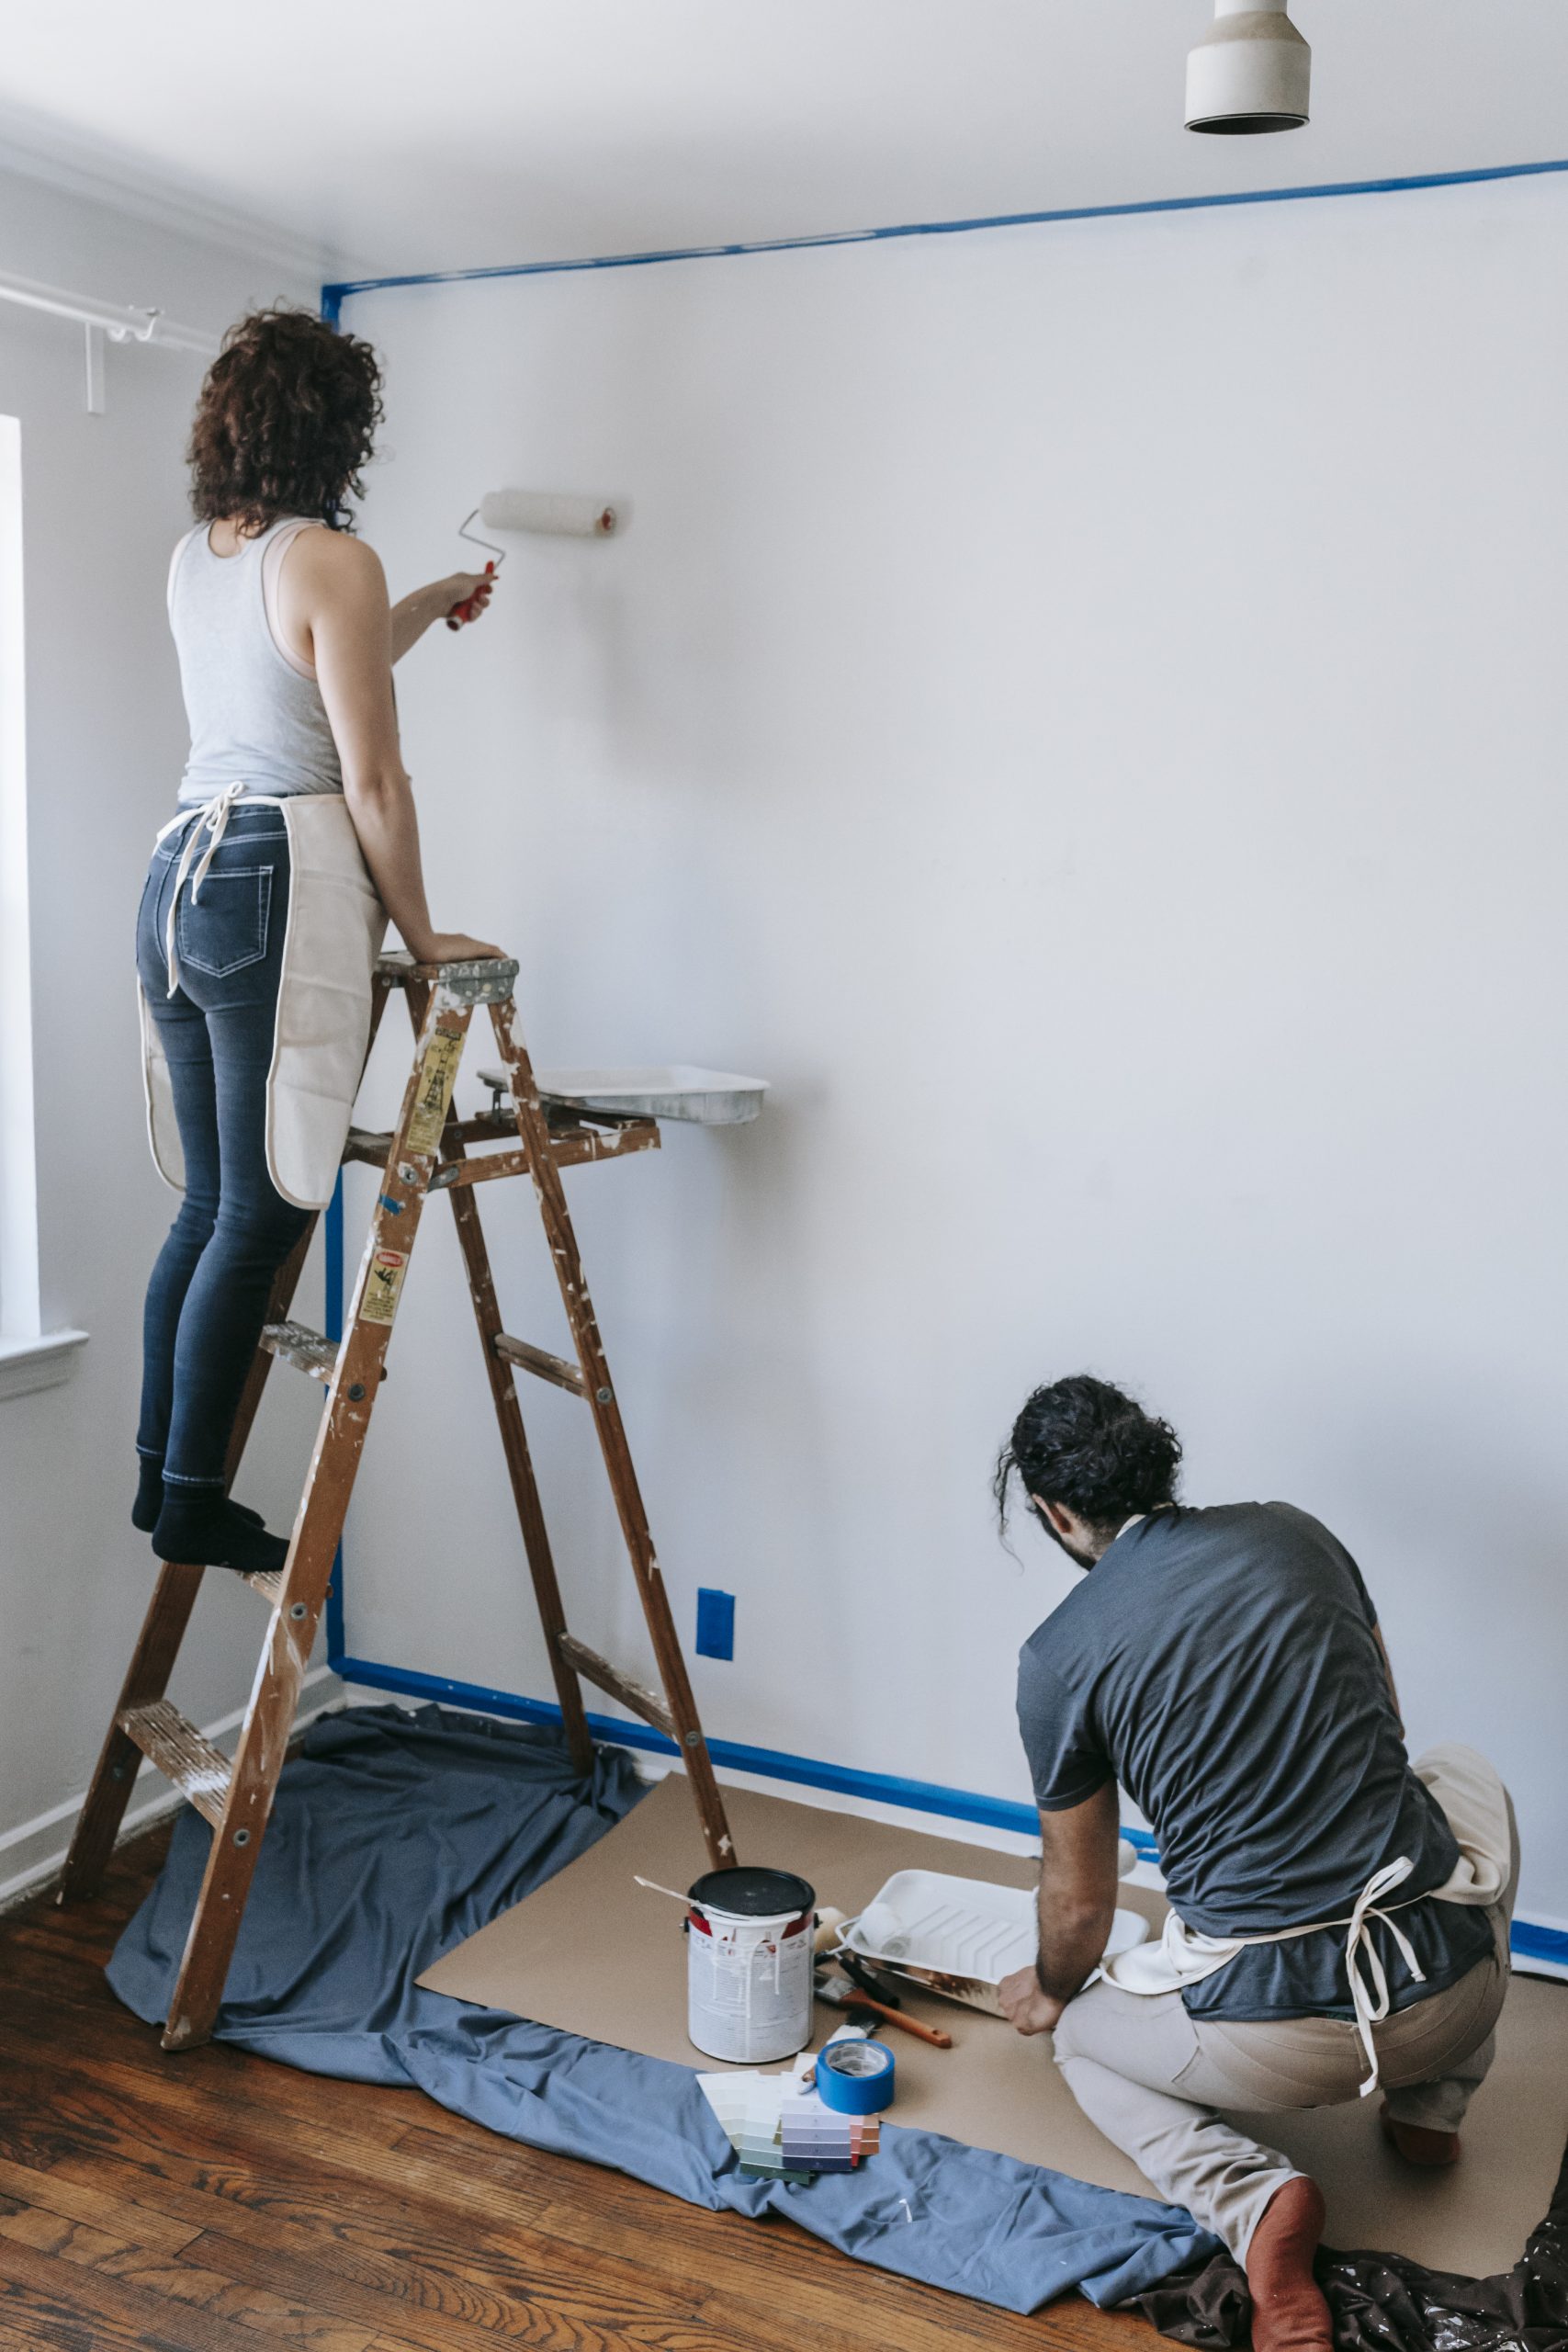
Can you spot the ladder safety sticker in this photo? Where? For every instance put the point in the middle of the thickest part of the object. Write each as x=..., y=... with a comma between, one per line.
x=383, y=1280
x=437, y=1074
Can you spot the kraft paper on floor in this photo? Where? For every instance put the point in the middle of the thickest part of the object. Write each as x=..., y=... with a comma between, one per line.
x=590, y=1953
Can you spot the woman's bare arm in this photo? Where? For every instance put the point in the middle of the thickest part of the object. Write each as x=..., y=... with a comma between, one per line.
x=413, y=614
x=334, y=591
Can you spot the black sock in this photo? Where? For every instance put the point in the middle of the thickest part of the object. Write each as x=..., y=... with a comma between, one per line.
x=149, y=1496
x=200, y=1528
x=149, y=1504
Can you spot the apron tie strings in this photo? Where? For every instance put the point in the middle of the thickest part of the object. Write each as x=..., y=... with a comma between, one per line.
x=1370, y=1999
x=213, y=820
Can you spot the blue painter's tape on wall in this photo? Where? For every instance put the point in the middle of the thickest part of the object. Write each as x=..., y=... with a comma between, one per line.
x=715, y=1622
x=1533, y=1940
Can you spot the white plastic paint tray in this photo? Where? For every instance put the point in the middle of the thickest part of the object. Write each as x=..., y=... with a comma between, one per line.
x=961, y=1935
x=709, y=1098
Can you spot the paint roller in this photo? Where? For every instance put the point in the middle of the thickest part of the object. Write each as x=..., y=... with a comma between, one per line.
x=555, y=512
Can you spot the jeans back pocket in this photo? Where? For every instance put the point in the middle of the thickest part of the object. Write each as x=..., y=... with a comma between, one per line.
x=226, y=927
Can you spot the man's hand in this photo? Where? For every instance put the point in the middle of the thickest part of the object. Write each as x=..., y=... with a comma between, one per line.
x=1026, y=2008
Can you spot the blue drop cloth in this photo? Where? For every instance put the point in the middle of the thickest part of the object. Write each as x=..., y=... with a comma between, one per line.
x=395, y=1837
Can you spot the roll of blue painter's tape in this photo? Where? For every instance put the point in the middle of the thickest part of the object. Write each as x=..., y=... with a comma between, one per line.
x=855, y=2077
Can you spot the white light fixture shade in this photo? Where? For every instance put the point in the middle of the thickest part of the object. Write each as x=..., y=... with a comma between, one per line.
x=1251, y=72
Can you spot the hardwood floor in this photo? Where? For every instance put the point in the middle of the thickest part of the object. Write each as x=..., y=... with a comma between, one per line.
x=213, y=2202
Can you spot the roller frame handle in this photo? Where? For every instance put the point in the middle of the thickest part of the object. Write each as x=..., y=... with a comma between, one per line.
x=465, y=611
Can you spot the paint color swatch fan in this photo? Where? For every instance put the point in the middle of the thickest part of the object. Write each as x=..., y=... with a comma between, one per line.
x=783, y=2128
x=555, y=514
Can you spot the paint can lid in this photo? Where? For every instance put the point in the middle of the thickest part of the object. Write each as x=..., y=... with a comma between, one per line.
x=754, y=1893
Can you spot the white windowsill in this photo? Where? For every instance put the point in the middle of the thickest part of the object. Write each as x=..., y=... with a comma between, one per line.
x=43, y=1362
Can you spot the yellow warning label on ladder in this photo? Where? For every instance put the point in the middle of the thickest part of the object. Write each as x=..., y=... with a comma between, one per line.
x=382, y=1283
x=437, y=1074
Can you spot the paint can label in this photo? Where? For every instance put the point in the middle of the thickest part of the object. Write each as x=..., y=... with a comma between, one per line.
x=748, y=1989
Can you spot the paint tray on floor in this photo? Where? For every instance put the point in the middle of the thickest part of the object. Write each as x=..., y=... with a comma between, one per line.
x=709, y=1097
x=960, y=1937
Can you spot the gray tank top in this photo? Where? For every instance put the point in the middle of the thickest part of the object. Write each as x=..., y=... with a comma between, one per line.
x=256, y=715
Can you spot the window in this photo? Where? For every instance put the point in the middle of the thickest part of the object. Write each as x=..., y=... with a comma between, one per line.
x=29, y=1357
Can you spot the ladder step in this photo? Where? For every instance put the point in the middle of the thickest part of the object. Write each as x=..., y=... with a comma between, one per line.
x=370, y=1145
x=615, y=1684
x=296, y=1343
x=538, y=1360
x=572, y=1145
x=182, y=1754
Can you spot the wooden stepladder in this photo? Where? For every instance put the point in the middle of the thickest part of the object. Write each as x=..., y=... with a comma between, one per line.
x=428, y=1151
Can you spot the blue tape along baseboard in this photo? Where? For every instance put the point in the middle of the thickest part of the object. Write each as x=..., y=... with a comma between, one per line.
x=1533, y=1940
x=770, y=1763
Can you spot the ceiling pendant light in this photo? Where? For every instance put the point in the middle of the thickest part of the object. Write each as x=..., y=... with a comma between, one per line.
x=1252, y=71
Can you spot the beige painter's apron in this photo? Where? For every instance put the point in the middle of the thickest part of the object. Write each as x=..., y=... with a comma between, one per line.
x=1473, y=1801
x=334, y=935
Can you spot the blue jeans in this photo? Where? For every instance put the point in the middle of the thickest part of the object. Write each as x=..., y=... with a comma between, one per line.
x=207, y=1297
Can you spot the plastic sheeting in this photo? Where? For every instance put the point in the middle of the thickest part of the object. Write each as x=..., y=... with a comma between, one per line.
x=1381, y=2303
x=394, y=1837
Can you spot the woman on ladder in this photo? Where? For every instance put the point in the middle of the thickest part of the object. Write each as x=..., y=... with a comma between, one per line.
x=267, y=895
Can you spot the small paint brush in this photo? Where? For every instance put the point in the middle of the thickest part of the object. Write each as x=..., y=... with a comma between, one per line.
x=870, y=1980
x=835, y=1988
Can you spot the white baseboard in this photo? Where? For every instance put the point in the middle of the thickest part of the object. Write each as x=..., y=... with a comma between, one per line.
x=41, y=1843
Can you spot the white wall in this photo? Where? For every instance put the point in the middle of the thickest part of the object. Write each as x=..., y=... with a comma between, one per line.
x=103, y=501
x=1080, y=709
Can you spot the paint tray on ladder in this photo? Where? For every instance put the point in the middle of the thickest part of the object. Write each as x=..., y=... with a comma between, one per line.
x=709, y=1097
x=960, y=1937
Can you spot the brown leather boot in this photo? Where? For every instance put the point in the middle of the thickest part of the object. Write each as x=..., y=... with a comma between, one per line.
x=1289, y=2314
x=1433, y=2151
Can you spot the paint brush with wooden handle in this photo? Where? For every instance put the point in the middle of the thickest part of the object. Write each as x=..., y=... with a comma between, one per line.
x=834, y=1987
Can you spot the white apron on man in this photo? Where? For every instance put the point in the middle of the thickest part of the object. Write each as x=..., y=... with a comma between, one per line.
x=1474, y=1803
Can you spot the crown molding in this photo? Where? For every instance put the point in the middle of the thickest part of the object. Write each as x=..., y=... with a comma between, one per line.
x=40, y=149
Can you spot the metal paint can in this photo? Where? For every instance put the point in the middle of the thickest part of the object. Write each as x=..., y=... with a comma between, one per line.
x=748, y=1964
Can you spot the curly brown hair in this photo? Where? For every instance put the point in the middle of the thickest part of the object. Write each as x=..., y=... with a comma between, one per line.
x=287, y=417
x=1082, y=1442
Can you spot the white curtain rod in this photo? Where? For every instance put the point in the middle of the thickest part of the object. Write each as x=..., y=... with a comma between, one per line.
x=121, y=325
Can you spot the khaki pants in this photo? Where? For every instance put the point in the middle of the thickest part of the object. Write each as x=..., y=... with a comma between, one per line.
x=1151, y=2078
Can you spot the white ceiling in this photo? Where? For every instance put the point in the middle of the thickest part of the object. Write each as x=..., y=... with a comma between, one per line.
x=405, y=135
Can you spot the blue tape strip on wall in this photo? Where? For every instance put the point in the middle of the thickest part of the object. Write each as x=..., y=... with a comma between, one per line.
x=855, y=2077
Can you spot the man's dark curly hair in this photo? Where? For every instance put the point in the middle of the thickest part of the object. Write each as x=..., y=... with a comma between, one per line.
x=1082, y=1442
x=287, y=417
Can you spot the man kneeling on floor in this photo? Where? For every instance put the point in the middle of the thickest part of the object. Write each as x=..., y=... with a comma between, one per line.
x=1339, y=1918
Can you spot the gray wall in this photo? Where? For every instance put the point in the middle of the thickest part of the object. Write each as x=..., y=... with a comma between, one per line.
x=1080, y=708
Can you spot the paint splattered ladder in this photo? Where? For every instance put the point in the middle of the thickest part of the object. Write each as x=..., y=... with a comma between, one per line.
x=427, y=1152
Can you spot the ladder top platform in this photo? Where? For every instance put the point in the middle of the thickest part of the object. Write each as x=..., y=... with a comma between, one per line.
x=486, y=979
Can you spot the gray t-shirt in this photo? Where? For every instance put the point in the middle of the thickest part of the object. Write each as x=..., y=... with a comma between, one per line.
x=1221, y=1666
